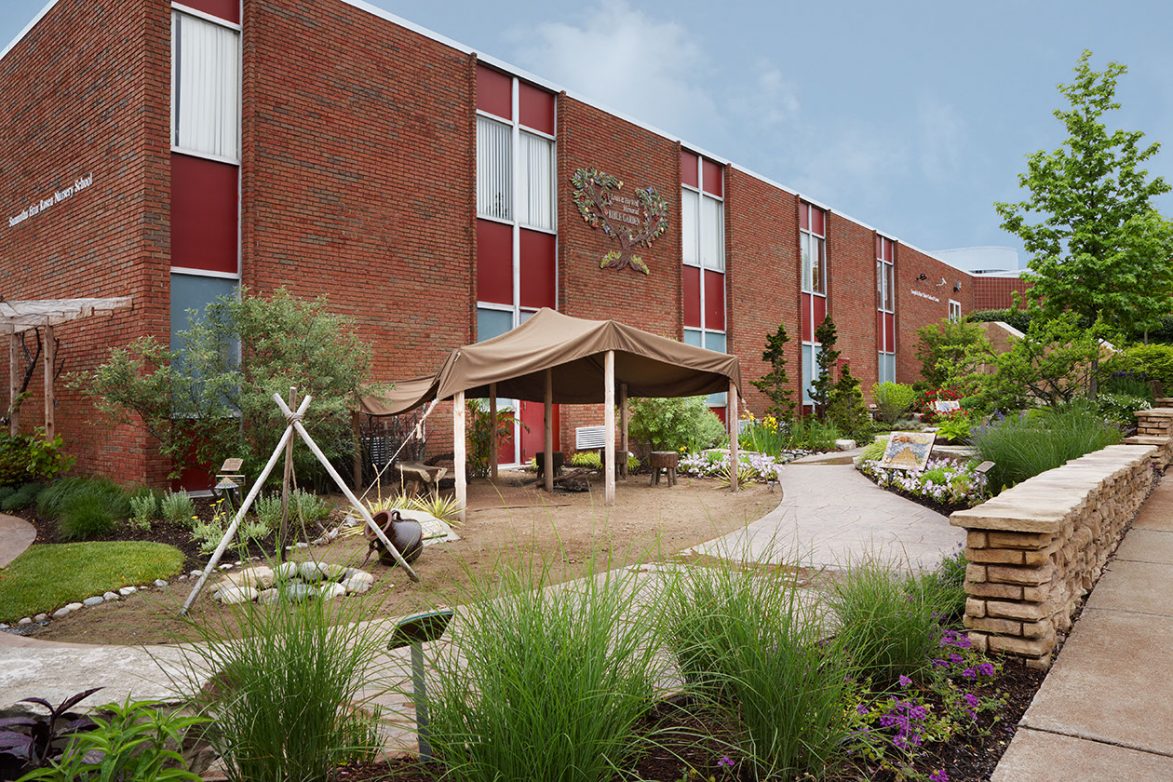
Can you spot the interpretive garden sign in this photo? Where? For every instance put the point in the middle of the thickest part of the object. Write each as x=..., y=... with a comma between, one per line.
x=632, y=222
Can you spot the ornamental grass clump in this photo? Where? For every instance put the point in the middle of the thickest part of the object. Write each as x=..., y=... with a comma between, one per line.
x=546, y=682
x=753, y=654
x=889, y=622
x=84, y=508
x=283, y=686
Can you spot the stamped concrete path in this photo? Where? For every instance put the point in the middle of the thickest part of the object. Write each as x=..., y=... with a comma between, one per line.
x=1105, y=711
x=16, y=535
x=831, y=516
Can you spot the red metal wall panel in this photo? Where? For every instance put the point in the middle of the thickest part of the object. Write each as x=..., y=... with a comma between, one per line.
x=818, y=221
x=688, y=173
x=537, y=269
x=880, y=342
x=890, y=333
x=228, y=10
x=820, y=308
x=536, y=108
x=806, y=331
x=714, y=300
x=722, y=413
x=692, y=297
x=203, y=214
x=714, y=182
x=494, y=92
x=494, y=262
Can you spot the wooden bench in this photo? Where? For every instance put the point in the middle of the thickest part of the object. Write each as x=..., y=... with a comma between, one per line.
x=416, y=478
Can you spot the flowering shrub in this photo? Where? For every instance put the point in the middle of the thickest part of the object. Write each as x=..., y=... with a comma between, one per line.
x=925, y=404
x=752, y=466
x=944, y=482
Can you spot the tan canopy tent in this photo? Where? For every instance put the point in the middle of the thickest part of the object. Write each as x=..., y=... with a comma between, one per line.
x=557, y=359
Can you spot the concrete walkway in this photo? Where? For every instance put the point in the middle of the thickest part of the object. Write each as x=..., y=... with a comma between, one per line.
x=16, y=535
x=1105, y=711
x=831, y=516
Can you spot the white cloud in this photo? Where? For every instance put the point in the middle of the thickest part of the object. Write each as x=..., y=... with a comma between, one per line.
x=622, y=58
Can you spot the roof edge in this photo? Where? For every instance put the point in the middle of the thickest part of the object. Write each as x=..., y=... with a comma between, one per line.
x=27, y=28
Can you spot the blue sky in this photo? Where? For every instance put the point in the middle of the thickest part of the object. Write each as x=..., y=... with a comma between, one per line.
x=911, y=116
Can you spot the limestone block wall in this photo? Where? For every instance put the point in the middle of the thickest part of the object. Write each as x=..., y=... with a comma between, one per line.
x=1155, y=427
x=1036, y=549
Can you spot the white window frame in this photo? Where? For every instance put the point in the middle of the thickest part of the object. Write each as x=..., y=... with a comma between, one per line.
x=183, y=10
x=954, y=312
x=812, y=242
x=699, y=264
x=886, y=305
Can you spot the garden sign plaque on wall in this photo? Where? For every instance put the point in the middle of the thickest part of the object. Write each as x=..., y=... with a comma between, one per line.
x=632, y=222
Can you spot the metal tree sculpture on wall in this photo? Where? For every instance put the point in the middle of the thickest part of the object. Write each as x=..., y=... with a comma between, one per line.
x=633, y=222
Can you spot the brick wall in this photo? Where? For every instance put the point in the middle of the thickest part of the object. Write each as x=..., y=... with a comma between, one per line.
x=995, y=293
x=851, y=276
x=86, y=92
x=915, y=308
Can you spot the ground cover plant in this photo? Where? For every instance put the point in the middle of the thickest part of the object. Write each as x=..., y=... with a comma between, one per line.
x=46, y=577
x=715, y=464
x=546, y=682
x=285, y=701
x=944, y=484
x=1024, y=445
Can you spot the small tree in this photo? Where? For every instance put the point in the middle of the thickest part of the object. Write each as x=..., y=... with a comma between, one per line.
x=1053, y=364
x=846, y=410
x=775, y=384
x=951, y=353
x=825, y=364
x=674, y=423
x=1098, y=249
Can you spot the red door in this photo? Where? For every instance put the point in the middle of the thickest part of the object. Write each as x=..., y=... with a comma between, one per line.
x=533, y=436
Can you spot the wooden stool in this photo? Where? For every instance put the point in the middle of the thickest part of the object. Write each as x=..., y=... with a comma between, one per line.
x=417, y=478
x=664, y=460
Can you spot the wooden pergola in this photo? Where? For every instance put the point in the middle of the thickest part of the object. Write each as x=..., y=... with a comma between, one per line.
x=17, y=317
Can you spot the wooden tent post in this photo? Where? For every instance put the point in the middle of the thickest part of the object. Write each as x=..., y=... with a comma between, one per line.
x=458, y=446
x=609, y=426
x=50, y=363
x=286, y=480
x=356, y=440
x=623, y=429
x=732, y=424
x=493, y=447
x=548, y=420
x=13, y=385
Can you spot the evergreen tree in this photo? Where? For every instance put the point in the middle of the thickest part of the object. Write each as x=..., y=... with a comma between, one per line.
x=775, y=384
x=825, y=363
x=846, y=409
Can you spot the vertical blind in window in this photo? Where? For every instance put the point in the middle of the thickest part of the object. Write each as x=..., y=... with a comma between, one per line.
x=712, y=234
x=494, y=169
x=689, y=228
x=205, y=87
x=537, y=182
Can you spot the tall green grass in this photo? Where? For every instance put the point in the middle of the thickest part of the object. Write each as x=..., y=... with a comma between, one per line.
x=752, y=649
x=84, y=507
x=284, y=687
x=1026, y=445
x=889, y=621
x=547, y=682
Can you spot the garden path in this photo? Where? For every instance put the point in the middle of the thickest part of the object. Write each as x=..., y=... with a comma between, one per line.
x=831, y=516
x=1105, y=711
x=16, y=535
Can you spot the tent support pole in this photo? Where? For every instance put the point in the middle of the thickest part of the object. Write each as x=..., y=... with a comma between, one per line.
x=732, y=424
x=609, y=426
x=548, y=420
x=50, y=353
x=13, y=385
x=623, y=446
x=493, y=431
x=458, y=446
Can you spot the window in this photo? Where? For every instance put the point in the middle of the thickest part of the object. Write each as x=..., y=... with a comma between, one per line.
x=886, y=309
x=494, y=169
x=690, y=226
x=536, y=156
x=885, y=286
x=810, y=355
x=954, y=311
x=887, y=366
x=492, y=322
x=205, y=88
x=812, y=242
x=702, y=226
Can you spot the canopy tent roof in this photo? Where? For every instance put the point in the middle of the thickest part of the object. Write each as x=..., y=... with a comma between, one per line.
x=573, y=348
x=18, y=316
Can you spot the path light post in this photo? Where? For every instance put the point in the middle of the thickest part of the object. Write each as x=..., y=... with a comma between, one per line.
x=415, y=631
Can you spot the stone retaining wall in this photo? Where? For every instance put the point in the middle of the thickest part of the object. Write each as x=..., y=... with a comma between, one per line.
x=1155, y=427
x=1036, y=549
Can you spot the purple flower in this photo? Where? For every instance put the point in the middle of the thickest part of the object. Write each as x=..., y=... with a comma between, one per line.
x=972, y=700
x=939, y=663
x=956, y=659
x=861, y=709
x=939, y=776
x=725, y=762
x=969, y=673
x=904, y=680
x=986, y=669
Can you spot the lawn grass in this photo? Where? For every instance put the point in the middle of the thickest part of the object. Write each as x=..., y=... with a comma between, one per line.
x=48, y=576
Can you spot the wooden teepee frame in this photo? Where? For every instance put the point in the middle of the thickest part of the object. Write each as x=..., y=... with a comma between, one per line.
x=294, y=426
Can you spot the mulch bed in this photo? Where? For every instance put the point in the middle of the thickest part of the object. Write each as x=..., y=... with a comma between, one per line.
x=970, y=756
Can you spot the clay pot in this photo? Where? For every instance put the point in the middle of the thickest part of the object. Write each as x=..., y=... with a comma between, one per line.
x=406, y=535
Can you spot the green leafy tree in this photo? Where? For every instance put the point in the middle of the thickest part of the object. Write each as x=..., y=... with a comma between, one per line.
x=1098, y=247
x=951, y=354
x=825, y=363
x=213, y=398
x=1053, y=364
x=675, y=423
x=775, y=384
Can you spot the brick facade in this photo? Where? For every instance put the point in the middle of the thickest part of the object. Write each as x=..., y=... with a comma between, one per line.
x=358, y=182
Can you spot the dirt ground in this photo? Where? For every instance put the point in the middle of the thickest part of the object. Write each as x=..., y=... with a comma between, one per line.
x=510, y=523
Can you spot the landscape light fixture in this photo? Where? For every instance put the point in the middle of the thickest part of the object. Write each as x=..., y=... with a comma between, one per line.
x=415, y=631
x=922, y=277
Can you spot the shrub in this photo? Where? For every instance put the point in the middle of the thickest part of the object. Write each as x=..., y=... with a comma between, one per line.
x=751, y=648
x=954, y=428
x=143, y=508
x=951, y=353
x=480, y=433
x=20, y=497
x=889, y=623
x=775, y=384
x=874, y=451
x=672, y=424
x=810, y=434
x=1025, y=445
x=1152, y=362
x=306, y=507
x=138, y=742
x=893, y=401
x=1014, y=317
x=1121, y=409
x=286, y=703
x=547, y=684
x=177, y=507
x=26, y=458
x=267, y=507
x=588, y=459
x=845, y=408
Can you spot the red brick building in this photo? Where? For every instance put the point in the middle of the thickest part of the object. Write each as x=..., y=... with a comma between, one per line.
x=426, y=190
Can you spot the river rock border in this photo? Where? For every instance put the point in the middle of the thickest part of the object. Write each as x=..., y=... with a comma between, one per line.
x=294, y=581
x=1036, y=549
